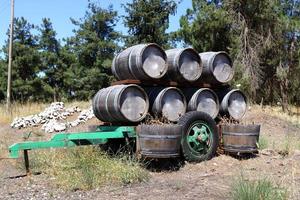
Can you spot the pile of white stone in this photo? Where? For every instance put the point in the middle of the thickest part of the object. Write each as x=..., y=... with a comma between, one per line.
x=51, y=116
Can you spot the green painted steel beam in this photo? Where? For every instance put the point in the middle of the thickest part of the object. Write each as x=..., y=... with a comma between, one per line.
x=100, y=136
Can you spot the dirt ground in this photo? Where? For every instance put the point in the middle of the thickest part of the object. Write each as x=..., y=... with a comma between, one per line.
x=210, y=180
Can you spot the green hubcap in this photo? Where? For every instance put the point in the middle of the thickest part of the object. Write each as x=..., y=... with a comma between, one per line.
x=199, y=137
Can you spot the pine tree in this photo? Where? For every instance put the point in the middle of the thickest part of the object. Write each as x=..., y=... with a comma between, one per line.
x=52, y=69
x=26, y=84
x=262, y=37
x=148, y=20
x=206, y=26
x=94, y=45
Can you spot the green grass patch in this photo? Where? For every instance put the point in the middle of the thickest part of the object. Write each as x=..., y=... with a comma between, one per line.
x=262, y=189
x=87, y=168
x=263, y=143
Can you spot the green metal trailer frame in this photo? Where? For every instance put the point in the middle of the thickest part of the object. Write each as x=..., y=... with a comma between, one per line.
x=199, y=133
x=61, y=140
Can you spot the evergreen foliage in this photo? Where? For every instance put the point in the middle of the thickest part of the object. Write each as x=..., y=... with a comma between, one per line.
x=93, y=46
x=148, y=20
x=262, y=37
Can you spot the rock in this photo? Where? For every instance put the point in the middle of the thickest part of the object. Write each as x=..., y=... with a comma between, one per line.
x=83, y=117
x=60, y=127
x=54, y=125
x=50, y=116
x=296, y=154
x=267, y=152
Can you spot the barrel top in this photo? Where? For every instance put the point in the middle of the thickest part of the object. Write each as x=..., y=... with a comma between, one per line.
x=212, y=54
x=222, y=67
x=133, y=102
x=173, y=98
x=154, y=60
x=241, y=128
x=186, y=61
x=207, y=101
x=190, y=64
x=237, y=104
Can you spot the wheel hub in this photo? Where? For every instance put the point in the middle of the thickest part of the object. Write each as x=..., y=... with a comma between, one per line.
x=199, y=137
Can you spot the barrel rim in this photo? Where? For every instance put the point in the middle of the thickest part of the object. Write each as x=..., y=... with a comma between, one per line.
x=189, y=49
x=212, y=65
x=224, y=53
x=164, y=57
x=94, y=104
x=146, y=98
x=226, y=103
x=214, y=94
x=164, y=90
x=241, y=129
x=241, y=125
x=110, y=89
x=129, y=63
x=113, y=67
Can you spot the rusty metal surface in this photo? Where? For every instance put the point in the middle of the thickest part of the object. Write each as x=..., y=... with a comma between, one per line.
x=240, y=138
x=159, y=141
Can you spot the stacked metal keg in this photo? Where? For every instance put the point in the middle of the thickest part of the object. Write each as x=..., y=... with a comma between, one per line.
x=168, y=84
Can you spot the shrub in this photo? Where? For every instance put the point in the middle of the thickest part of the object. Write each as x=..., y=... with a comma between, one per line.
x=88, y=168
x=263, y=143
x=257, y=190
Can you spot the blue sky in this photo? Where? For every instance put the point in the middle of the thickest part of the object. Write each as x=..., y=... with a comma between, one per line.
x=60, y=11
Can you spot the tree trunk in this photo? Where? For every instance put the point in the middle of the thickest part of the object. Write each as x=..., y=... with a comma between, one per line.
x=284, y=95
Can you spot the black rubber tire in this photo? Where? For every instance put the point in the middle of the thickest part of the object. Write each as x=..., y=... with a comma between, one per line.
x=186, y=121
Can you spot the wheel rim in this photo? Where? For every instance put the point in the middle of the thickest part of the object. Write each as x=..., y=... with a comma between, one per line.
x=199, y=137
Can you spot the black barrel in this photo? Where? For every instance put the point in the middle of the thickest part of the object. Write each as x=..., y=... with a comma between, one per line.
x=184, y=65
x=217, y=67
x=240, y=138
x=168, y=102
x=141, y=62
x=233, y=103
x=159, y=141
x=203, y=99
x=121, y=103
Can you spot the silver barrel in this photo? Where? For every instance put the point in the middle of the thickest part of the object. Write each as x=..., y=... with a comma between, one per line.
x=184, y=64
x=141, y=62
x=167, y=102
x=121, y=103
x=233, y=103
x=203, y=99
x=217, y=67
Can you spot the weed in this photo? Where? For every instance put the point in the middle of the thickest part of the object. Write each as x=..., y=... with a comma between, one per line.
x=257, y=190
x=18, y=110
x=263, y=143
x=88, y=168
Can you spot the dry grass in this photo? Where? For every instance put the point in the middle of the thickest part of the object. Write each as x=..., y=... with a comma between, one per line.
x=293, y=116
x=30, y=108
x=86, y=168
x=19, y=110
